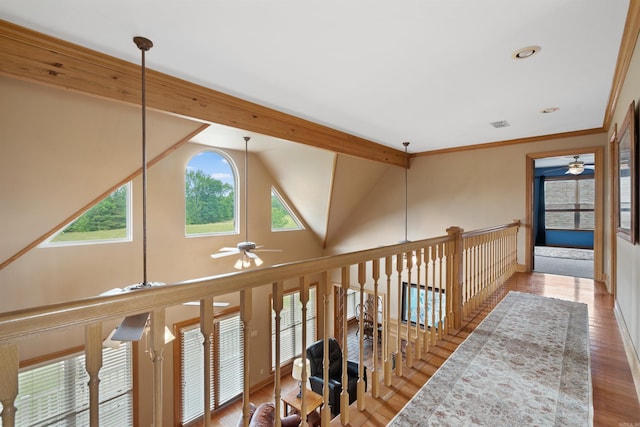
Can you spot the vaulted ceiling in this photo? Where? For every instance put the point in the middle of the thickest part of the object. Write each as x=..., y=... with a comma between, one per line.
x=431, y=72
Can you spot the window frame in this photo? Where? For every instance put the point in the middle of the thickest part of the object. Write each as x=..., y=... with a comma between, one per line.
x=236, y=184
x=275, y=193
x=49, y=243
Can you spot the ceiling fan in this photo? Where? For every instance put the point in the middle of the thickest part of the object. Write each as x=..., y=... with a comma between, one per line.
x=246, y=249
x=575, y=167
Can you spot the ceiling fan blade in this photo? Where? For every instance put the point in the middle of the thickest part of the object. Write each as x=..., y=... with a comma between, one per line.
x=223, y=254
x=268, y=250
x=251, y=255
x=131, y=328
x=228, y=249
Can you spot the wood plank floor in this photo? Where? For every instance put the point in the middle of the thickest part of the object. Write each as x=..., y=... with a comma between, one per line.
x=615, y=400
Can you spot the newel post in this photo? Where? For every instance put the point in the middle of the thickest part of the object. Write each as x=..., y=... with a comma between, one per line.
x=454, y=276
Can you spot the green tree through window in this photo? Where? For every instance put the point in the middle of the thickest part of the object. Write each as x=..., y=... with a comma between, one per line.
x=107, y=221
x=282, y=218
x=209, y=195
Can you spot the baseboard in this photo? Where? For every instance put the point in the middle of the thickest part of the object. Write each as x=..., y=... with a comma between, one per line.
x=520, y=268
x=629, y=349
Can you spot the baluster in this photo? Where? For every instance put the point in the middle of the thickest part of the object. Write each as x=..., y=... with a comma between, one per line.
x=245, y=317
x=409, y=348
x=206, y=329
x=375, y=375
x=277, y=288
x=93, y=363
x=432, y=329
x=304, y=300
x=388, y=267
x=427, y=285
x=344, y=395
x=9, y=365
x=156, y=337
x=398, y=322
x=362, y=278
x=441, y=322
x=326, y=289
x=418, y=346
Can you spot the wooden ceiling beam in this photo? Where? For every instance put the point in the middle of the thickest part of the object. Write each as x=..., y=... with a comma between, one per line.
x=32, y=56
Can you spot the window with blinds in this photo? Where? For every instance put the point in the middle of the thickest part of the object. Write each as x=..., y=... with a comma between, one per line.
x=226, y=370
x=57, y=394
x=291, y=327
x=569, y=203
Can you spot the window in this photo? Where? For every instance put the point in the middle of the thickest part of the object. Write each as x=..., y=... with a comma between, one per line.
x=282, y=217
x=291, y=326
x=227, y=371
x=569, y=203
x=210, y=195
x=108, y=221
x=57, y=393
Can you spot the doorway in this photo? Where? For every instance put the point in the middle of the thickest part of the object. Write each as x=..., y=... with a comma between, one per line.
x=565, y=212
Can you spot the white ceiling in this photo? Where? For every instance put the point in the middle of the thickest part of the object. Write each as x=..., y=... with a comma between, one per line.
x=435, y=73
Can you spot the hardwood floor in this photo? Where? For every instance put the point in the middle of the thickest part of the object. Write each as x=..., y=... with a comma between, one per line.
x=615, y=400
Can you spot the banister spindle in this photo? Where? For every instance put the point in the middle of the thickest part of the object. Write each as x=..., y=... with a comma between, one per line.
x=277, y=309
x=399, y=263
x=206, y=328
x=93, y=364
x=9, y=365
x=375, y=375
x=362, y=279
x=344, y=395
x=388, y=270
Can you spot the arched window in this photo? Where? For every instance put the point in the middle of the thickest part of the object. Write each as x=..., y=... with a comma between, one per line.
x=210, y=195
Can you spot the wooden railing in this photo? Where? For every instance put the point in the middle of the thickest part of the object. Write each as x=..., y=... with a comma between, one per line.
x=452, y=274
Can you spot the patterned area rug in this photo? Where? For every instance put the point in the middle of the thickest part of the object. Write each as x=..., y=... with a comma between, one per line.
x=526, y=364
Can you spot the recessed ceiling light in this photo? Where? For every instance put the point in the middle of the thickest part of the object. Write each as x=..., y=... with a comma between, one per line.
x=549, y=110
x=526, y=52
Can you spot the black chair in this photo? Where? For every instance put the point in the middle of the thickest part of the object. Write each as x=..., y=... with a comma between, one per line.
x=315, y=354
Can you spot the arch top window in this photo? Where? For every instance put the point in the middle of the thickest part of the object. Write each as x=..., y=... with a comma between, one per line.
x=210, y=195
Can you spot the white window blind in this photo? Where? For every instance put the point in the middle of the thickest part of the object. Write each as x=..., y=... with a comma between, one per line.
x=227, y=367
x=230, y=368
x=57, y=394
x=291, y=326
x=192, y=369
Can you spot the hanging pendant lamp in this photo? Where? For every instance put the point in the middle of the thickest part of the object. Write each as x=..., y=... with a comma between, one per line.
x=133, y=327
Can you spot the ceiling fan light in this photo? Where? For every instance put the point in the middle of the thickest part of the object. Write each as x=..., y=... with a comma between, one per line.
x=575, y=170
x=257, y=261
x=238, y=264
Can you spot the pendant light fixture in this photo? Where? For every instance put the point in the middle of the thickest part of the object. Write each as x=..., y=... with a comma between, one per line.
x=246, y=249
x=132, y=327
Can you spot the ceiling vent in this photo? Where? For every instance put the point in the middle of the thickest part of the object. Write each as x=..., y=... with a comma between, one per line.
x=500, y=124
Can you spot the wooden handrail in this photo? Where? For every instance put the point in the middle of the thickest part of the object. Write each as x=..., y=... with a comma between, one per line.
x=25, y=323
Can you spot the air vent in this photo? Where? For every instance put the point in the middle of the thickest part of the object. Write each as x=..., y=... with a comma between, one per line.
x=500, y=124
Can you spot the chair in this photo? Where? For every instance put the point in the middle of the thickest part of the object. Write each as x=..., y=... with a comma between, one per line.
x=315, y=354
x=264, y=416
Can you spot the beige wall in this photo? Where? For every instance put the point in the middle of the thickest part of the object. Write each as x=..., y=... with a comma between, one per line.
x=469, y=189
x=628, y=255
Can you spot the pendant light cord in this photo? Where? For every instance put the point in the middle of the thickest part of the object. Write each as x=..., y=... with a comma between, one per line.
x=246, y=188
x=406, y=205
x=144, y=45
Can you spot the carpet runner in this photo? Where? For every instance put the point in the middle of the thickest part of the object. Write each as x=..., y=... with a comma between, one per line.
x=526, y=364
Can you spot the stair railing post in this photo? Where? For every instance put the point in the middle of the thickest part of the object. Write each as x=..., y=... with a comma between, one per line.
x=454, y=278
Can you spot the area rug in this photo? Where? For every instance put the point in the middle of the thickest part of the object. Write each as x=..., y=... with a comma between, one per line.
x=526, y=364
